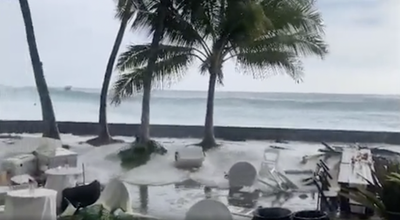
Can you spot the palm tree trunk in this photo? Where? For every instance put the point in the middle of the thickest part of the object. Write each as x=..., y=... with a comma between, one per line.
x=49, y=119
x=104, y=134
x=144, y=136
x=144, y=198
x=209, y=138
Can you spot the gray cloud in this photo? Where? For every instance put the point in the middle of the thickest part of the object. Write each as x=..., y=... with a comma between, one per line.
x=75, y=38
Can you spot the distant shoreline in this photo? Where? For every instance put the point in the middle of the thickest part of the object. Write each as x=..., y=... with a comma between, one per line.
x=227, y=133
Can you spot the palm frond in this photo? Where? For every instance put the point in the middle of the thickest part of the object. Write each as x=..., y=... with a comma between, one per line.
x=127, y=84
x=294, y=15
x=365, y=198
x=127, y=8
x=262, y=63
x=148, y=15
x=170, y=67
x=203, y=15
x=137, y=55
x=243, y=22
x=300, y=43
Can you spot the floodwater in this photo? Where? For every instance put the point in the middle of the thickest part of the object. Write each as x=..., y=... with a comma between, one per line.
x=157, y=189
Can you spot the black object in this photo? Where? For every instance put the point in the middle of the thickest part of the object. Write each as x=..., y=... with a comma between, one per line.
x=325, y=168
x=245, y=199
x=392, y=215
x=242, y=174
x=274, y=213
x=310, y=215
x=81, y=196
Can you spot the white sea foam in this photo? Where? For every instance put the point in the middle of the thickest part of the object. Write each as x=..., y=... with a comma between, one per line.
x=158, y=171
x=102, y=163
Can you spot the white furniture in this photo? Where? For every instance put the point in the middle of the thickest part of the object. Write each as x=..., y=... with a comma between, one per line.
x=115, y=196
x=21, y=179
x=61, y=178
x=31, y=203
x=355, y=170
x=20, y=164
x=358, y=172
x=189, y=157
x=52, y=157
x=268, y=173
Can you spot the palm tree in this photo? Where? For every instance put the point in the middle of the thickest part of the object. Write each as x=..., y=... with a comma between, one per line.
x=261, y=37
x=125, y=12
x=49, y=119
x=141, y=75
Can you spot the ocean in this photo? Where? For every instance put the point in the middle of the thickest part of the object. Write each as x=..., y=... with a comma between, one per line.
x=164, y=193
x=287, y=110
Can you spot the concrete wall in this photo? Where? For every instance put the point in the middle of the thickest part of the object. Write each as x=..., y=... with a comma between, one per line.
x=227, y=133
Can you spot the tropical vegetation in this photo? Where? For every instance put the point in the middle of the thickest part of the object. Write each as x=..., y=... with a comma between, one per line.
x=262, y=37
x=382, y=195
x=50, y=128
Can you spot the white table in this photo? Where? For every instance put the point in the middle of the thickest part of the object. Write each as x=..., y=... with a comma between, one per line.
x=33, y=204
x=61, y=178
x=357, y=173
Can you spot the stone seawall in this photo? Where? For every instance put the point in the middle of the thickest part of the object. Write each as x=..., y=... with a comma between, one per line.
x=227, y=133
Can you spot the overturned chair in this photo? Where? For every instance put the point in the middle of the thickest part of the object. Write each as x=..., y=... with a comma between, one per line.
x=80, y=197
x=268, y=174
x=115, y=196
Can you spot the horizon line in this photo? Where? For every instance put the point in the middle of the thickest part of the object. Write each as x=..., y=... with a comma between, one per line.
x=224, y=91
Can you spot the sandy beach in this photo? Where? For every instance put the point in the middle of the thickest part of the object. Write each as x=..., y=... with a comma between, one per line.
x=162, y=196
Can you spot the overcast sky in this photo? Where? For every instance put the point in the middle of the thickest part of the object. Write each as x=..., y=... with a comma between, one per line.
x=75, y=38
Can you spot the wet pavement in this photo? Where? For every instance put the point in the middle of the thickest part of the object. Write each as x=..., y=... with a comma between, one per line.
x=173, y=201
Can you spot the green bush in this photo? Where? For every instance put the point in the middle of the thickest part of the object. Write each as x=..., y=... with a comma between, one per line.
x=139, y=153
x=384, y=193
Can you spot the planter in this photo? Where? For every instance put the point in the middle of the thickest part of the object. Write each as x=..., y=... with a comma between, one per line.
x=272, y=214
x=310, y=215
x=392, y=215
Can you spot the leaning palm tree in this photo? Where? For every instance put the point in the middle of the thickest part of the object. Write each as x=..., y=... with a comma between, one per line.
x=125, y=12
x=170, y=67
x=49, y=119
x=154, y=15
x=262, y=37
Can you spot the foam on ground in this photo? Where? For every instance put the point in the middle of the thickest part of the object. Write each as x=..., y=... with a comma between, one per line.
x=102, y=163
x=158, y=171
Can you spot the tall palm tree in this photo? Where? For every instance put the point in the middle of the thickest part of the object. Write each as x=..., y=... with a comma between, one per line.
x=261, y=37
x=49, y=119
x=125, y=12
x=154, y=14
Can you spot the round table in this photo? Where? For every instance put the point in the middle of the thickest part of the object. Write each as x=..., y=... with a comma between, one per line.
x=31, y=203
x=61, y=178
